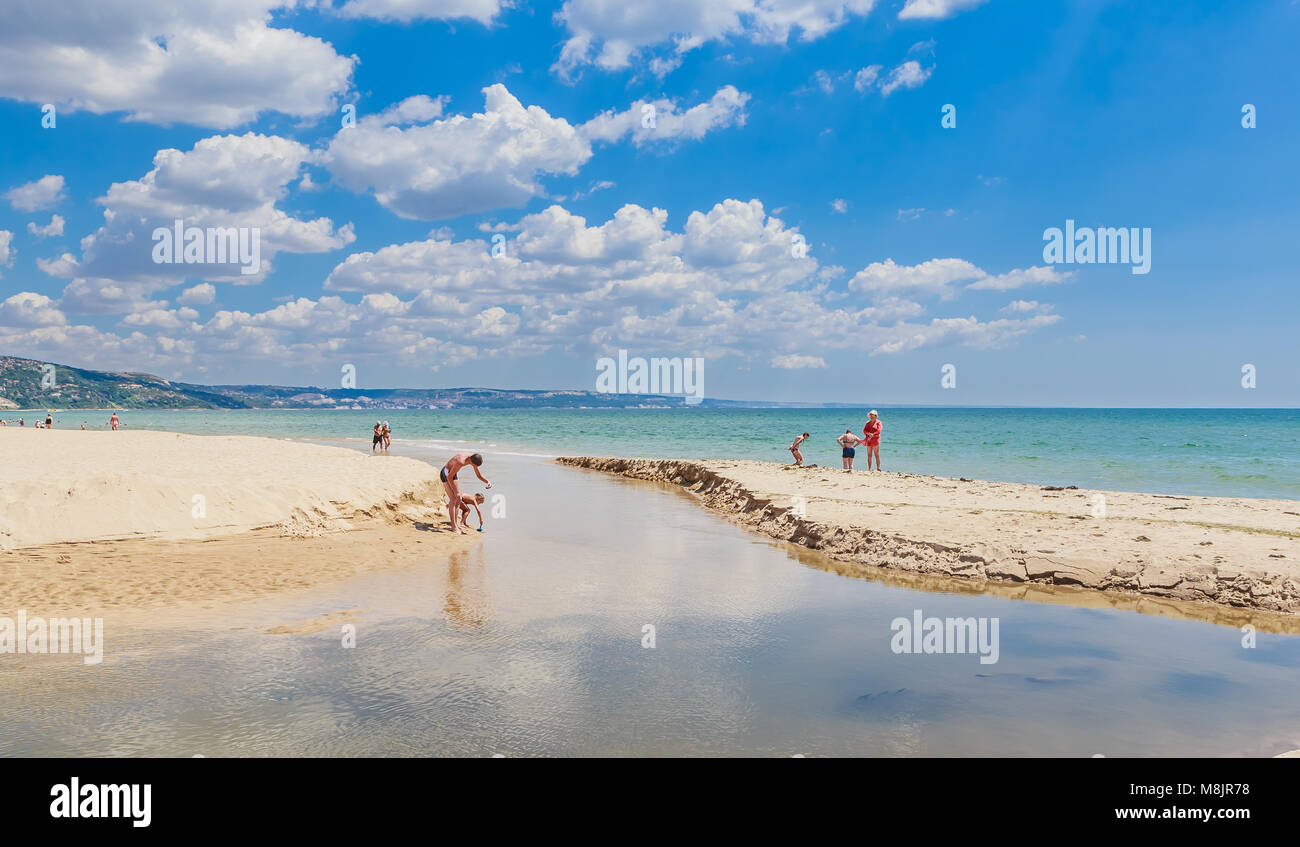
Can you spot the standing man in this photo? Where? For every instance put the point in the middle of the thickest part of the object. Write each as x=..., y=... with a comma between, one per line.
x=794, y=449
x=113, y=421
x=377, y=437
x=871, y=437
x=448, y=477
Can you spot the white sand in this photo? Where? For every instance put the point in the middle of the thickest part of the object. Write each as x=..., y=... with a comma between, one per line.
x=69, y=485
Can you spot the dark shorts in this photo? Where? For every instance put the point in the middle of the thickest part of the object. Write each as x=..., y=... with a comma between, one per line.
x=443, y=476
x=377, y=440
x=849, y=453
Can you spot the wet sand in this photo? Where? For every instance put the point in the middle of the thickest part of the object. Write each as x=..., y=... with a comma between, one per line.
x=1230, y=552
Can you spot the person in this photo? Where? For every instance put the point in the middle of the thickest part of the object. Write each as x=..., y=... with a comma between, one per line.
x=465, y=502
x=49, y=420
x=83, y=425
x=388, y=436
x=113, y=422
x=378, y=437
x=794, y=448
x=871, y=437
x=848, y=441
x=448, y=477
x=22, y=422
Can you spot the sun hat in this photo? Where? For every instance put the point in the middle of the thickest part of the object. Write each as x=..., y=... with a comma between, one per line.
x=874, y=412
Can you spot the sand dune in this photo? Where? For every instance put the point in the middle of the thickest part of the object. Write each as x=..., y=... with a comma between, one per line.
x=59, y=486
x=1232, y=551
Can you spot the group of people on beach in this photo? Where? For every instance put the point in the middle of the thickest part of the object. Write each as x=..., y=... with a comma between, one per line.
x=382, y=437
x=848, y=442
x=48, y=423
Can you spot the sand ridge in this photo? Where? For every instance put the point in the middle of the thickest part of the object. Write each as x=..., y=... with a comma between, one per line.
x=61, y=486
x=1238, y=552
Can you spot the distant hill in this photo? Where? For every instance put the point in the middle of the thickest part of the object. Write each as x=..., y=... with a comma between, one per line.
x=29, y=384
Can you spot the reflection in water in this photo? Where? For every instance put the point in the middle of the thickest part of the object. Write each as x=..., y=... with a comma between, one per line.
x=537, y=650
x=465, y=604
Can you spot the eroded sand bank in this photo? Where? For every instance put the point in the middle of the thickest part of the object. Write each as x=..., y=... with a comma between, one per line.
x=1237, y=552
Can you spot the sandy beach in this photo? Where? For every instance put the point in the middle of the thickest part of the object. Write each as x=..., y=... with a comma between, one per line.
x=1235, y=552
x=136, y=519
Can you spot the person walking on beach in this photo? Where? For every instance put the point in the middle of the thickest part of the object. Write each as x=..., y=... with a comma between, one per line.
x=378, y=438
x=871, y=437
x=113, y=422
x=794, y=449
x=388, y=436
x=448, y=477
x=848, y=441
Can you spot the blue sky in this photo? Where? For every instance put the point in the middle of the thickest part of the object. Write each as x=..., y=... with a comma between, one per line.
x=774, y=119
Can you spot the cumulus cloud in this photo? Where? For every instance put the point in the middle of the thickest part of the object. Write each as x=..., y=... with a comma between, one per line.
x=910, y=74
x=405, y=11
x=866, y=78
x=6, y=250
x=613, y=36
x=423, y=166
x=934, y=9
x=460, y=165
x=224, y=181
x=34, y=196
x=941, y=278
x=198, y=295
x=207, y=64
x=659, y=120
x=50, y=230
x=27, y=309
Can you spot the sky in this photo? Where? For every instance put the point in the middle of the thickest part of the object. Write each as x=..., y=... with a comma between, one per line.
x=825, y=201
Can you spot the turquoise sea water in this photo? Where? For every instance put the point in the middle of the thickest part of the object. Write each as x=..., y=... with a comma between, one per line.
x=1225, y=452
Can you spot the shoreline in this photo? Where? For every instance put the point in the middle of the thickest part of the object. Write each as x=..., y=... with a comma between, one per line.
x=1223, y=553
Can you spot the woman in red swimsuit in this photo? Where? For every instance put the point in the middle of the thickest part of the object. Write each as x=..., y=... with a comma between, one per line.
x=871, y=438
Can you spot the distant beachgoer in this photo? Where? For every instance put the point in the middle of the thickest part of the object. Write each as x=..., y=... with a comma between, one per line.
x=22, y=422
x=113, y=422
x=388, y=436
x=83, y=424
x=378, y=438
x=465, y=502
x=871, y=437
x=448, y=477
x=794, y=448
x=49, y=421
x=848, y=441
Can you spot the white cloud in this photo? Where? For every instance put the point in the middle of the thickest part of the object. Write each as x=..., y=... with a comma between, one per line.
x=50, y=230
x=40, y=194
x=915, y=9
x=866, y=77
x=458, y=165
x=1020, y=278
x=726, y=108
x=910, y=214
x=1026, y=307
x=198, y=295
x=6, y=252
x=839, y=205
x=223, y=181
x=795, y=361
x=940, y=277
x=910, y=74
x=28, y=309
x=613, y=36
x=205, y=64
x=405, y=11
